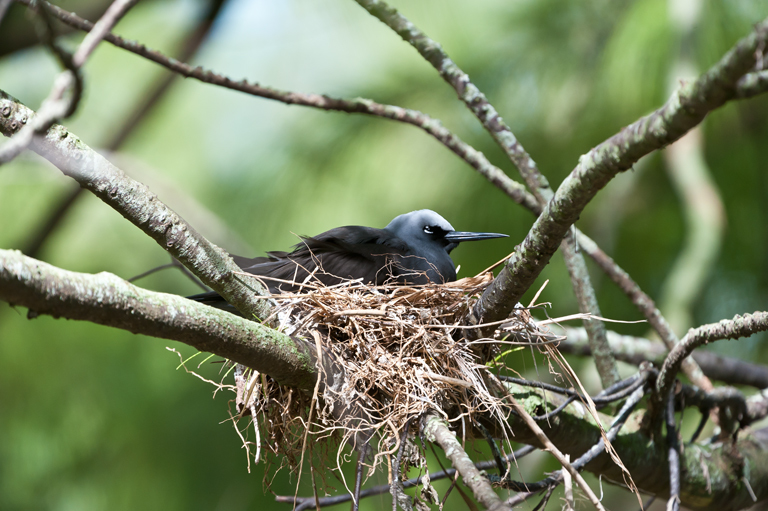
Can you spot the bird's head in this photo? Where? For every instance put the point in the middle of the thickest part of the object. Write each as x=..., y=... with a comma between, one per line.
x=428, y=228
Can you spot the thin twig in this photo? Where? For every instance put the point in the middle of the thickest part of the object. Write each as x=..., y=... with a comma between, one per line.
x=552, y=449
x=636, y=350
x=396, y=487
x=137, y=114
x=739, y=326
x=673, y=504
x=605, y=361
x=312, y=404
x=358, y=105
x=568, y=488
x=308, y=502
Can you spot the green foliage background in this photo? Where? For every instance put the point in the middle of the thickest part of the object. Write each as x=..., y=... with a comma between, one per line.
x=93, y=418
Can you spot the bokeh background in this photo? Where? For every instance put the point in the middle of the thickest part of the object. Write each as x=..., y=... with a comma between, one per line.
x=95, y=418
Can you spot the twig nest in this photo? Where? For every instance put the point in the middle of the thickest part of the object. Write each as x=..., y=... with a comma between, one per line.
x=403, y=352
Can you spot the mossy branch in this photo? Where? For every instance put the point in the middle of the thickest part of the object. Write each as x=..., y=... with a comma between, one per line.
x=108, y=300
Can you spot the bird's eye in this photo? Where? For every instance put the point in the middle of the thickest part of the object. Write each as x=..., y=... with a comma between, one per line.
x=429, y=229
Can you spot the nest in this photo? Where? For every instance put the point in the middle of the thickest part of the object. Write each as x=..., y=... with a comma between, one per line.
x=403, y=352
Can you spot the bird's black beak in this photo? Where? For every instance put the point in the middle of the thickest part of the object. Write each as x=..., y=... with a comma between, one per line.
x=458, y=236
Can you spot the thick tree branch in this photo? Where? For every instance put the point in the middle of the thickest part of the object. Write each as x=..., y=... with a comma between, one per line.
x=108, y=300
x=140, y=206
x=684, y=110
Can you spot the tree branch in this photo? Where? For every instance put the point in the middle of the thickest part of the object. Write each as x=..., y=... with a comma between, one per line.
x=574, y=433
x=739, y=326
x=358, y=105
x=642, y=301
x=435, y=429
x=56, y=105
x=636, y=350
x=684, y=110
x=605, y=361
x=108, y=300
x=140, y=206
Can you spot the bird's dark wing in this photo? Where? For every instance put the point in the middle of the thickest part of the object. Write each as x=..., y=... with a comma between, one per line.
x=346, y=253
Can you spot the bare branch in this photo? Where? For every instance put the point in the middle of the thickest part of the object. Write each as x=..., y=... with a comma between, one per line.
x=435, y=429
x=56, y=106
x=636, y=350
x=673, y=447
x=739, y=326
x=605, y=362
x=141, y=207
x=108, y=300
